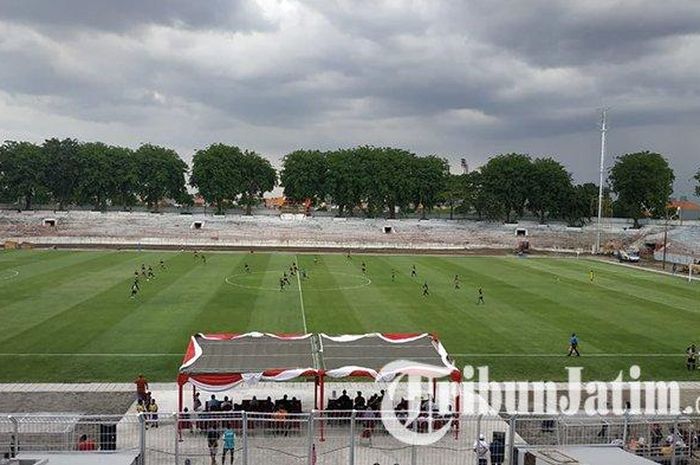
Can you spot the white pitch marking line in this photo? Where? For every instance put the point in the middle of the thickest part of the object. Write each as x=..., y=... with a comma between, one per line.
x=301, y=297
x=83, y=354
x=564, y=355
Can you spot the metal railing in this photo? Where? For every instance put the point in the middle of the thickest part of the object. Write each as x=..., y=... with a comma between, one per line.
x=347, y=437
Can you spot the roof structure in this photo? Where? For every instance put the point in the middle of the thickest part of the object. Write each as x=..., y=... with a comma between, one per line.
x=220, y=361
x=370, y=355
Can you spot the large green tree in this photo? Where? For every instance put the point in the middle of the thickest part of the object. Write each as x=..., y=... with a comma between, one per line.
x=161, y=174
x=22, y=167
x=63, y=169
x=430, y=174
x=506, y=182
x=458, y=193
x=95, y=182
x=303, y=175
x=396, y=174
x=643, y=182
x=344, y=183
x=549, y=186
x=576, y=205
x=258, y=177
x=217, y=174
x=124, y=183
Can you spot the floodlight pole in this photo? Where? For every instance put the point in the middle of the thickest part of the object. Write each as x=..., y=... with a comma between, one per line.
x=603, y=133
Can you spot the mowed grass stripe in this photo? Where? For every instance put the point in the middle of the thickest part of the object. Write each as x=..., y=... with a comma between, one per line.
x=24, y=318
x=528, y=310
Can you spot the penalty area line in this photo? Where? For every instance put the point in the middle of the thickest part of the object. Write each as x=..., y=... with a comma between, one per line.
x=564, y=355
x=38, y=354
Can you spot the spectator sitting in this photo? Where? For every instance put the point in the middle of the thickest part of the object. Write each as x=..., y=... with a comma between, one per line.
x=344, y=402
x=213, y=405
x=282, y=403
x=86, y=444
x=268, y=406
x=360, y=402
x=226, y=405
x=254, y=404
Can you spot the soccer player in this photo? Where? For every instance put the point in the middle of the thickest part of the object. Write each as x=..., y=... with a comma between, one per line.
x=204, y=259
x=573, y=346
x=425, y=288
x=364, y=268
x=134, y=290
x=282, y=283
x=481, y=297
x=150, y=272
x=413, y=271
x=692, y=355
x=162, y=265
x=315, y=260
x=393, y=274
x=456, y=281
x=246, y=268
x=591, y=275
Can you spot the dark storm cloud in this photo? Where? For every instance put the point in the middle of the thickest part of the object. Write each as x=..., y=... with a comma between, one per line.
x=460, y=78
x=124, y=15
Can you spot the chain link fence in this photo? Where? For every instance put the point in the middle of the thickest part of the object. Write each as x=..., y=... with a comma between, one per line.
x=340, y=437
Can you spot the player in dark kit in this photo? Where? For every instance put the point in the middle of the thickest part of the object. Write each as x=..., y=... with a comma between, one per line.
x=425, y=288
x=282, y=283
x=162, y=265
x=413, y=271
x=573, y=346
x=134, y=290
x=393, y=275
x=692, y=357
x=481, y=297
x=456, y=281
x=364, y=268
x=246, y=268
x=150, y=272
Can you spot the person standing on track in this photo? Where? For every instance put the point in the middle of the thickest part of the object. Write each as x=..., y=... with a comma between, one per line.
x=692, y=356
x=573, y=346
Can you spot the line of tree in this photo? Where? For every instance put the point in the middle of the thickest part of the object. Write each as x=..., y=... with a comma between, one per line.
x=376, y=180
x=69, y=172
x=373, y=179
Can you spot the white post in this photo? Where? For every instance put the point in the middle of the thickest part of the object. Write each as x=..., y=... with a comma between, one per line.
x=603, y=132
x=690, y=270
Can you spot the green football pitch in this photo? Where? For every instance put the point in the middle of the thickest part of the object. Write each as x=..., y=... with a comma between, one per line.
x=67, y=316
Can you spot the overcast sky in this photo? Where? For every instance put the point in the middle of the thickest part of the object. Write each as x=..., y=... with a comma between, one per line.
x=468, y=78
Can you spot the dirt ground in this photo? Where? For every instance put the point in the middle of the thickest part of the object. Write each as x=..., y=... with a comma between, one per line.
x=90, y=403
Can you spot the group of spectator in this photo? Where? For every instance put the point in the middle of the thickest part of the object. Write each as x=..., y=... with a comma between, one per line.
x=681, y=442
x=496, y=450
x=145, y=402
x=344, y=402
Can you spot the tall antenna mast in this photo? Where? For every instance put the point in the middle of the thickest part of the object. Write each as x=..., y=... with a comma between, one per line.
x=603, y=137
